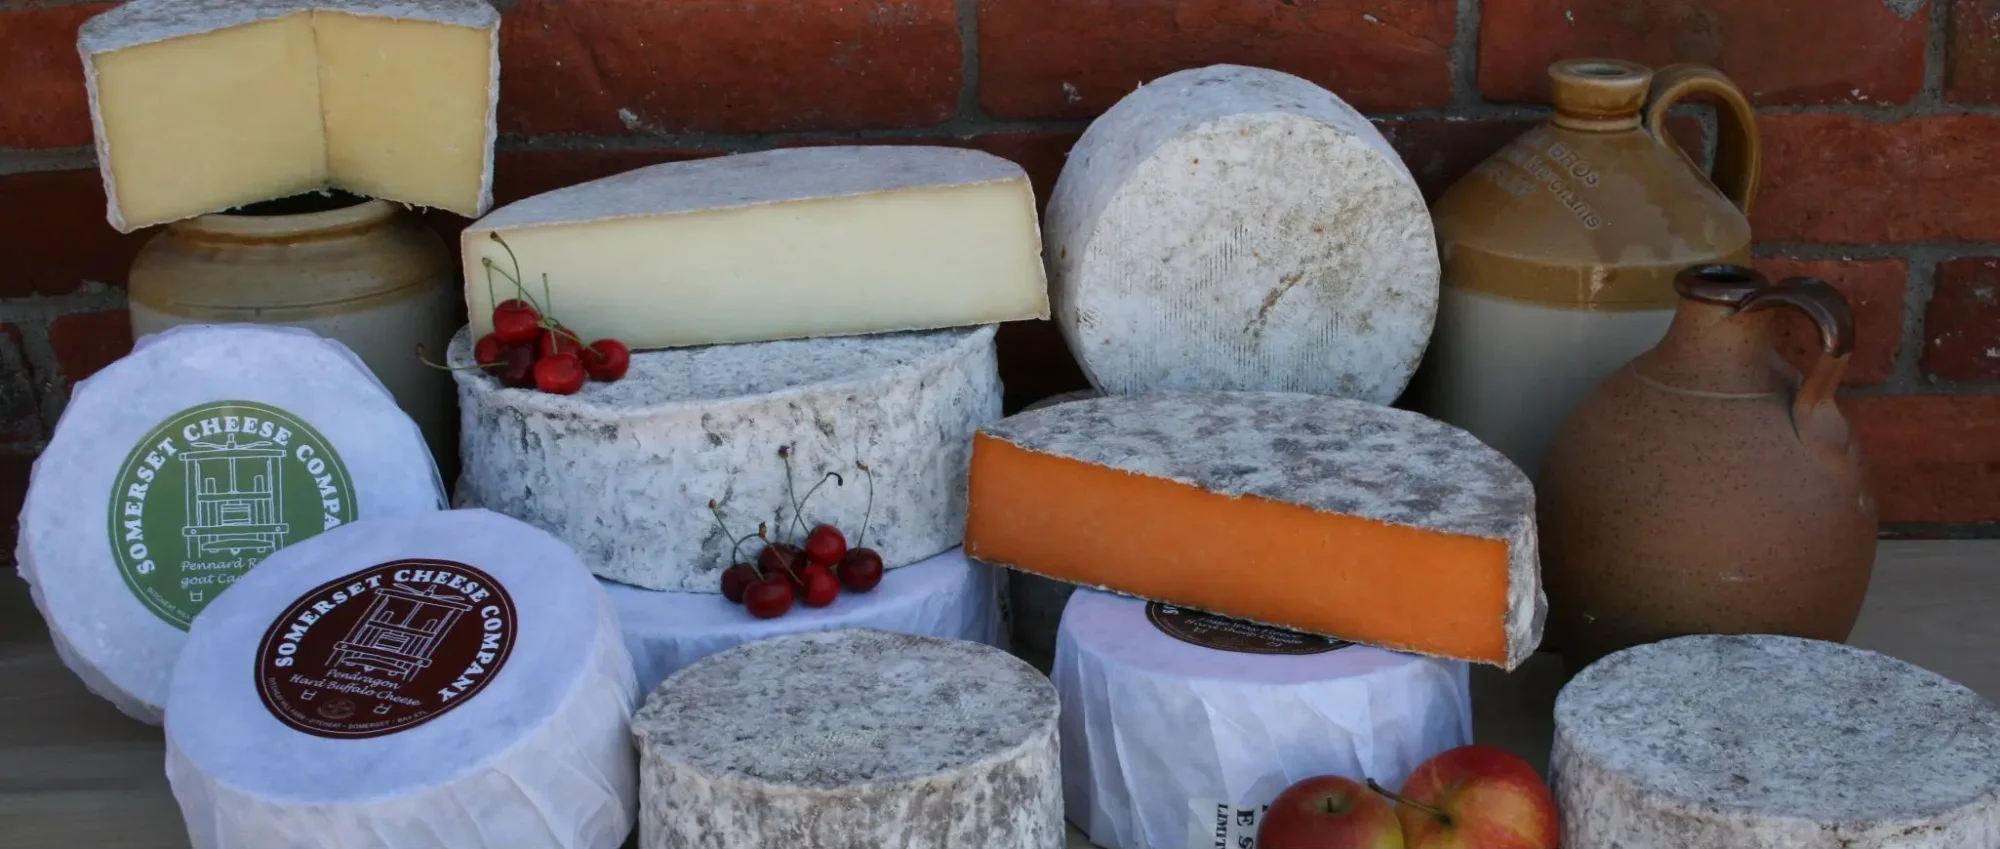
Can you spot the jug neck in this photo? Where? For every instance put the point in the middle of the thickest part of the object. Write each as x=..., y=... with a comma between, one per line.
x=1599, y=95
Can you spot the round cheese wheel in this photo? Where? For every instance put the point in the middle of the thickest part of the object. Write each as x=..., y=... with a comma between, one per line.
x=625, y=471
x=851, y=738
x=184, y=464
x=1240, y=228
x=1767, y=742
x=945, y=596
x=448, y=679
x=1180, y=727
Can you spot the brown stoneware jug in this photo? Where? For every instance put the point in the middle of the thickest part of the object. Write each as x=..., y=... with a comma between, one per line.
x=1560, y=250
x=1706, y=487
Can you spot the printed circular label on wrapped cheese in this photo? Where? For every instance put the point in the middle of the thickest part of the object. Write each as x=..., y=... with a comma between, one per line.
x=1235, y=635
x=214, y=490
x=385, y=649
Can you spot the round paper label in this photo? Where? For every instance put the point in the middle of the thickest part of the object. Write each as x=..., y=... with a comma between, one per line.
x=214, y=490
x=385, y=649
x=1235, y=635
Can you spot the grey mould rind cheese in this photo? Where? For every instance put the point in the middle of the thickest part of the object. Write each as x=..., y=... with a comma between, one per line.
x=852, y=738
x=1327, y=454
x=1767, y=742
x=1240, y=228
x=624, y=471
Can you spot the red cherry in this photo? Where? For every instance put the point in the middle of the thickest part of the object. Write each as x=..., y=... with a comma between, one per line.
x=488, y=351
x=768, y=598
x=781, y=558
x=825, y=545
x=736, y=579
x=559, y=374
x=517, y=367
x=861, y=569
x=516, y=322
x=607, y=359
x=821, y=586
x=558, y=340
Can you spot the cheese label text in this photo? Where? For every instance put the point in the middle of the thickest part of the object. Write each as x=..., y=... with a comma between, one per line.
x=1222, y=633
x=214, y=490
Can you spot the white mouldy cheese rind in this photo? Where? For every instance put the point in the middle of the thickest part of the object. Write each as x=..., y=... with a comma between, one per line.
x=1240, y=228
x=1769, y=742
x=278, y=733
x=118, y=590
x=782, y=244
x=851, y=738
x=202, y=105
x=624, y=471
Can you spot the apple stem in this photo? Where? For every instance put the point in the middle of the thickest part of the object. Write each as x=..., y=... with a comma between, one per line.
x=1403, y=800
x=870, y=509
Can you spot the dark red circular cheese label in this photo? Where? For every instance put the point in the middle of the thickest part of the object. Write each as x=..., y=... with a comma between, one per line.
x=1235, y=635
x=385, y=649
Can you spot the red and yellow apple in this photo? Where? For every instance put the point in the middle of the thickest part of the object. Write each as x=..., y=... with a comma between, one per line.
x=1477, y=797
x=1329, y=812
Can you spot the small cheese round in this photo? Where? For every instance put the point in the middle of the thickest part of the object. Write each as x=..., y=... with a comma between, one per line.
x=1241, y=711
x=851, y=738
x=1767, y=742
x=945, y=596
x=624, y=471
x=1240, y=228
x=183, y=465
x=447, y=679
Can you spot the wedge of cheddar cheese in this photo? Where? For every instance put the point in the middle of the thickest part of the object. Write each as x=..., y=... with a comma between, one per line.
x=1319, y=514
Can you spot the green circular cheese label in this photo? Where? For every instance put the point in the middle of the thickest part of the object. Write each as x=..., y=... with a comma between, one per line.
x=214, y=490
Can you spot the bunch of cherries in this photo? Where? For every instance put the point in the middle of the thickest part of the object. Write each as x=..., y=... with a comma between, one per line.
x=814, y=572
x=530, y=349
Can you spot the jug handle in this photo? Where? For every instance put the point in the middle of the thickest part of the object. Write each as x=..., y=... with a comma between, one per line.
x=1738, y=150
x=1815, y=416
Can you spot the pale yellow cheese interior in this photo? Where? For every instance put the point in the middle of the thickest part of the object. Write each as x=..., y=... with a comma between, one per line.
x=384, y=107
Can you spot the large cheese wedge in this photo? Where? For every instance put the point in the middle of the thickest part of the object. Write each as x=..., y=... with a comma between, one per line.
x=1319, y=514
x=1241, y=711
x=1035, y=603
x=784, y=244
x=1767, y=742
x=203, y=105
x=625, y=471
x=1240, y=228
x=851, y=738
x=945, y=596
x=184, y=465
x=451, y=679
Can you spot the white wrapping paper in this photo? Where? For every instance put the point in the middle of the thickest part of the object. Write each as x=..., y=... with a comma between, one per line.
x=1167, y=744
x=944, y=596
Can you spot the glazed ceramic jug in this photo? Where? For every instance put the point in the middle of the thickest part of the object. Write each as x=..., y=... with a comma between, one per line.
x=1559, y=252
x=1705, y=487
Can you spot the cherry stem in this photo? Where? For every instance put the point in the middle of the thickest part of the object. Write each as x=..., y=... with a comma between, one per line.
x=809, y=493
x=424, y=358
x=870, y=509
x=762, y=529
x=785, y=456
x=1403, y=800
x=520, y=290
x=715, y=510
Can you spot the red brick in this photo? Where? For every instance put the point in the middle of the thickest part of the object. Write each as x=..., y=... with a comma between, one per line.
x=1843, y=179
x=1874, y=290
x=45, y=104
x=1074, y=58
x=1440, y=152
x=1936, y=458
x=20, y=410
x=614, y=67
x=522, y=173
x=1035, y=363
x=13, y=490
x=1042, y=155
x=1972, y=69
x=88, y=341
x=53, y=235
x=1962, y=324
x=1778, y=51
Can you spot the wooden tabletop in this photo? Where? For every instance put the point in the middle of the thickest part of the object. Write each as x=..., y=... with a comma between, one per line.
x=76, y=774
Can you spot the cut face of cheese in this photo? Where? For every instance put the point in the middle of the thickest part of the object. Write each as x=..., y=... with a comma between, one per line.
x=204, y=105
x=785, y=244
x=1314, y=513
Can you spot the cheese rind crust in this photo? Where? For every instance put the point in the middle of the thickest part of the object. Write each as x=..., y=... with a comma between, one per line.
x=1768, y=742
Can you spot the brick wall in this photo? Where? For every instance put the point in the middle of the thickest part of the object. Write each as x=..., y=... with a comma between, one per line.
x=1882, y=132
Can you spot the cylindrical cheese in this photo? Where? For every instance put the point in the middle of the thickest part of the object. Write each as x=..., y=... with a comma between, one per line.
x=624, y=471
x=945, y=596
x=185, y=464
x=1240, y=228
x=1178, y=723
x=851, y=738
x=1767, y=742
x=447, y=679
